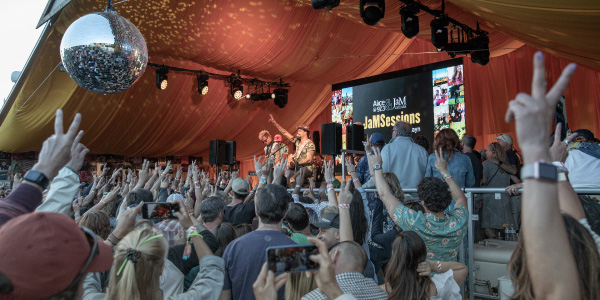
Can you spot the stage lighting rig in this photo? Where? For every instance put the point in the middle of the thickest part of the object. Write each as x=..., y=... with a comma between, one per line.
x=236, y=86
x=410, y=21
x=203, y=84
x=325, y=4
x=161, y=78
x=372, y=11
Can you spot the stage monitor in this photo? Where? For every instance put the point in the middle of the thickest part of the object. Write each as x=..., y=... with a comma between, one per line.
x=429, y=97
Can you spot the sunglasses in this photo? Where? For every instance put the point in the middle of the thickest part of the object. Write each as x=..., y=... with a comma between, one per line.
x=91, y=238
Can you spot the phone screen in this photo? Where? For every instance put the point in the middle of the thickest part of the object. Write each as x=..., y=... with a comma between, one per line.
x=282, y=259
x=159, y=210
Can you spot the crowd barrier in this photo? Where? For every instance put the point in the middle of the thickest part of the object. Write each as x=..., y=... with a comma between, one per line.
x=470, y=258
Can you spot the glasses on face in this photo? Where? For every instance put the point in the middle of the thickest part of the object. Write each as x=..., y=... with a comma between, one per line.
x=91, y=238
x=264, y=140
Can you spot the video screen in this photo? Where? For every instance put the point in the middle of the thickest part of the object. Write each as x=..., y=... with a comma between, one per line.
x=430, y=98
x=291, y=259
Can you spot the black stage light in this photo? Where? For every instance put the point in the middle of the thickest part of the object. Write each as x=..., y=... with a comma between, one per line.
x=439, y=32
x=481, y=50
x=280, y=97
x=161, y=78
x=372, y=11
x=325, y=4
x=203, y=84
x=237, y=89
x=410, y=21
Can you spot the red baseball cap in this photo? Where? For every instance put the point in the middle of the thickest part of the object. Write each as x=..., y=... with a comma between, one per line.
x=277, y=138
x=42, y=254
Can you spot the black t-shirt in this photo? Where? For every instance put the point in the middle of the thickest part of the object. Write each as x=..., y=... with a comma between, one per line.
x=176, y=253
x=242, y=213
x=477, y=167
x=514, y=160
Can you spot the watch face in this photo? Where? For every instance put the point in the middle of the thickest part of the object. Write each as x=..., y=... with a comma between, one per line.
x=548, y=171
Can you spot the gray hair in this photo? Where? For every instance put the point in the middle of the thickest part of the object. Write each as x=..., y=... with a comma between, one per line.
x=403, y=128
x=210, y=208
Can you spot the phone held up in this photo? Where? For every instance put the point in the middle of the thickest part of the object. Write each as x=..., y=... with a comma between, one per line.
x=159, y=210
x=281, y=259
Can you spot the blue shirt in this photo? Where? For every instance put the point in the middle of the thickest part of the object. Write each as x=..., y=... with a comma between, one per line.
x=460, y=168
x=245, y=256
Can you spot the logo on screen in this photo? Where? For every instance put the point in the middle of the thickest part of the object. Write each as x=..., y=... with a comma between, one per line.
x=386, y=105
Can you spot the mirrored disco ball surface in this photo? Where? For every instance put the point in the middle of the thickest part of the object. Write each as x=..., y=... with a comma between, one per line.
x=104, y=52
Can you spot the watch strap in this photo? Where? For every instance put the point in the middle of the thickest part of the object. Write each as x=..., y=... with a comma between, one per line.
x=377, y=167
x=38, y=178
x=540, y=170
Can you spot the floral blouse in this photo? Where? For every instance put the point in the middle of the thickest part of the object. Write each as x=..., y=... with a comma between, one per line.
x=442, y=236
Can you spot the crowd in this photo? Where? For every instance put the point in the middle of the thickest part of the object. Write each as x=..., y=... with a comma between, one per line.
x=60, y=240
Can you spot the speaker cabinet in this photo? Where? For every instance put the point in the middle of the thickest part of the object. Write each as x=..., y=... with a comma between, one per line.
x=331, y=138
x=316, y=137
x=230, y=158
x=355, y=135
x=217, y=152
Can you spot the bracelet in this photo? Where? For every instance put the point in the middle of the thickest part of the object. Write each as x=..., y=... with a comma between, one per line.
x=439, y=267
x=193, y=234
x=344, y=205
x=560, y=166
x=190, y=230
x=447, y=175
x=329, y=182
x=105, y=193
x=76, y=214
x=297, y=186
x=356, y=180
x=330, y=189
x=113, y=239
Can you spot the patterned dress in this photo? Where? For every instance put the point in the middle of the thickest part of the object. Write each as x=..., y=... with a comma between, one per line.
x=442, y=236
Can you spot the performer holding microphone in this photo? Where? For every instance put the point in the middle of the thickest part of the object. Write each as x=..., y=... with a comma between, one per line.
x=305, y=148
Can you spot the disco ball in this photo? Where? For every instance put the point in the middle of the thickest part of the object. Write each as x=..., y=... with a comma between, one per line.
x=104, y=52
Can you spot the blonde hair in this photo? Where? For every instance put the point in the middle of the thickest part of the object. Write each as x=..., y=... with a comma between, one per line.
x=138, y=280
x=298, y=285
x=499, y=154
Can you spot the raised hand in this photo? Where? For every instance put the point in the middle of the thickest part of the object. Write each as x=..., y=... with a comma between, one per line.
x=558, y=150
x=56, y=150
x=440, y=163
x=78, y=152
x=329, y=171
x=533, y=113
x=350, y=165
x=257, y=165
x=271, y=119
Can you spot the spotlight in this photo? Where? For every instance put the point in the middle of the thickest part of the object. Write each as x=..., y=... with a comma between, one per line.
x=410, y=21
x=325, y=4
x=439, y=32
x=481, y=51
x=237, y=89
x=203, y=84
x=371, y=11
x=280, y=97
x=161, y=78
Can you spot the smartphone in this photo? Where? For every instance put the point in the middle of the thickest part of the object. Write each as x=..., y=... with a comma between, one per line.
x=281, y=259
x=159, y=210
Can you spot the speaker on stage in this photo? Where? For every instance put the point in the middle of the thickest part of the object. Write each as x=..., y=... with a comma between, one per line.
x=230, y=158
x=316, y=137
x=355, y=135
x=331, y=139
x=217, y=152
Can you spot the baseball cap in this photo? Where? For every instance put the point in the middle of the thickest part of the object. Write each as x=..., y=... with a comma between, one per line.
x=277, y=138
x=377, y=139
x=330, y=220
x=304, y=127
x=240, y=186
x=42, y=254
x=505, y=138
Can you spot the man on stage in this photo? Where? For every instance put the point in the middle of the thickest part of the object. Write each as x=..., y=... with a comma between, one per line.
x=305, y=148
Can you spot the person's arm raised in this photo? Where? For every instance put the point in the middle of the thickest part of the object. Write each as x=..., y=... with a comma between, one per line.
x=553, y=273
x=283, y=131
x=346, y=196
x=329, y=172
x=383, y=189
x=442, y=166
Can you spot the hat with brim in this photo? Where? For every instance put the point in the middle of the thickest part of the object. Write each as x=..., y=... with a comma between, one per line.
x=505, y=138
x=330, y=220
x=304, y=127
x=42, y=254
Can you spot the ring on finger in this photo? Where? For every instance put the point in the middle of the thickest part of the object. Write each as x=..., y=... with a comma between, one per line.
x=566, y=141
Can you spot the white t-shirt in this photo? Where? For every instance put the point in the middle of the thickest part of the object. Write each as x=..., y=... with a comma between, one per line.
x=584, y=170
x=447, y=288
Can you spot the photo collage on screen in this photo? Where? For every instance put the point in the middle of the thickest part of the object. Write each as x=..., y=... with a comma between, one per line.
x=449, y=99
x=341, y=112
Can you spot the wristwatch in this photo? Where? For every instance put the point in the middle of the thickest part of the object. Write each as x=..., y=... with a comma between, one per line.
x=540, y=170
x=38, y=178
x=377, y=167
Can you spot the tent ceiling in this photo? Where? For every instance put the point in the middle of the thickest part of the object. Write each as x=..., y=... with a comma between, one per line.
x=269, y=39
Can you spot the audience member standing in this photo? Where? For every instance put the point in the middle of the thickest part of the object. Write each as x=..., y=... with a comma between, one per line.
x=459, y=164
x=245, y=256
x=403, y=157
x=496, y=212
x=514, y=163
x=468, y=145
